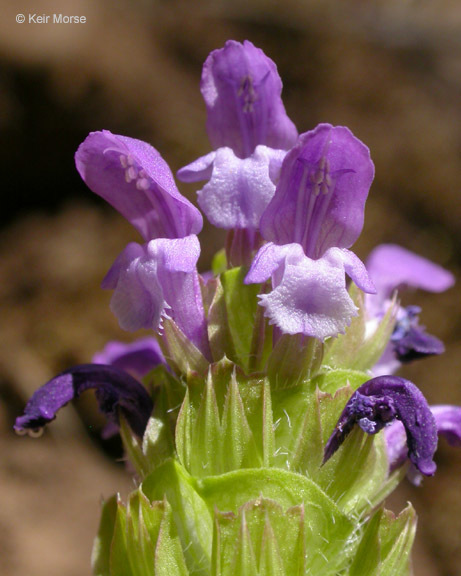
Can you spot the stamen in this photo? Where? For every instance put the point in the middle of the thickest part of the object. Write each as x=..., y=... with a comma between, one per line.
x=317, y=177
x=142, y=183
x=123, y=161
x=248, y=93
x=131, y=174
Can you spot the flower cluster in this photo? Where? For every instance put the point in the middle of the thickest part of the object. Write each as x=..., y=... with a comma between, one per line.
x=287, y=302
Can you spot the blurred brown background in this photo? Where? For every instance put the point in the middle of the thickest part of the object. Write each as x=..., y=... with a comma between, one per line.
x=390, y=70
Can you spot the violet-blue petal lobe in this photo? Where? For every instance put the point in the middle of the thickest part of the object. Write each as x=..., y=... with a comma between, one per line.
x=381, y=401
x=392, y=267
x=132, y=176
x=270, y=260
x=242, y=93
x=353, y=267
x=137, y=358
x=198, y=170
x=115, y=390
x=320, y=199
x=131, y=252
x=138, y=300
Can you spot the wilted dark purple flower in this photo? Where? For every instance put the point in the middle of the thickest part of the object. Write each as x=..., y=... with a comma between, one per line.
x=115, y=391
x=392, y=267
x=132, y=176
x=137, y=358
x=241, y=89
x=379, y=402
x=410, y=340
x=159, y=279
x=448, y=423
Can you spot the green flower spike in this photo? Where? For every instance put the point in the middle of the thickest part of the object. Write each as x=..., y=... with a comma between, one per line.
x=232, y=481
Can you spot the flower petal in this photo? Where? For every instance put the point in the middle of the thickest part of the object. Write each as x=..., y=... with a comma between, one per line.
x=200, y=169
x=353, y=267
x=270, y=260
x=392, y=267
x=240, y=189
x=396, y=445
x=448, y=422
x=178, y=276
x=138, y=300
x=137, y=358
x=132, y=176
x=241, y=89
x=160, y=280
x=320, y=198
x=308, y=296
x=380, y=401
x=415, y=343
x=115, y=390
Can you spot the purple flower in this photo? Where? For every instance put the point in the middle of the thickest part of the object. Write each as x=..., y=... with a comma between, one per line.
x=248, y=126
x=379, y=402
x=448, y=424
x=241, y=89
x=392, y=267
x=238, y=190
x=115, y=391
x=320, y=199
x=159, y=279
x=132, y=176
x=314, y=216
x=137, y=358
